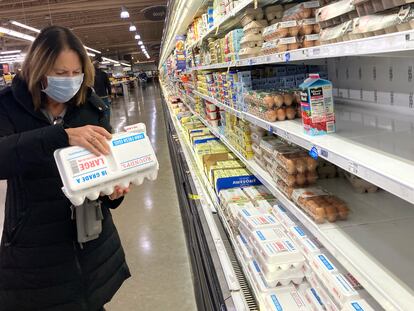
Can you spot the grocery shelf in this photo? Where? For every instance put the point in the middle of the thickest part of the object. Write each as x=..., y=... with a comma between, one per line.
x=368, y=244
x=379, y=45
x=381, y=156
x=210, y=204
x=228, y=21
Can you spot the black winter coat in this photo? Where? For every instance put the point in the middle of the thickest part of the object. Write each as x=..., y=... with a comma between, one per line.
x=41, y=264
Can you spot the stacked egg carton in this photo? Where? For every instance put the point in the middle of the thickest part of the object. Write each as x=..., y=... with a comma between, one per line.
x=253, y=23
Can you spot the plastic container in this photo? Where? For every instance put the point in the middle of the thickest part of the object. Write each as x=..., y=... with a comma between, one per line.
x=297, y=179
x=360, y=185
x=269, y=144
x=85, y=175
x=294, y=160
x=256, y=193
x=320, y=205
x=232, y=195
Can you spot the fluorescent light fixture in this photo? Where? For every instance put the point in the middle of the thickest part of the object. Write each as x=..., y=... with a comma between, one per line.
x=125, y=64
x=93, y=50
x=35, y=30
x=110, y=60
x=137, y=37
x=16, y=34
x=140, y=42
x=117, y=65
x=132, y=28
x=124, y=12
x=148, y=57
x=25, y=26
x=91, y=54
x=10, y=52
x=105, y=62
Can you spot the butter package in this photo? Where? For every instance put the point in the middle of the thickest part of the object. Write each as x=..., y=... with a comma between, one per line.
x=85, y=175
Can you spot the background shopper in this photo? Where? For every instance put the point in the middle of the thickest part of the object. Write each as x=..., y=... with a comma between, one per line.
x=50, y=105
x=102, y=85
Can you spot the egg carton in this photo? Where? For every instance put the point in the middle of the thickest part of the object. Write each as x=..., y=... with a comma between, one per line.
x=285, y=298
x=360, y=185
x=256, y=222
x=368, y=7
x=335, y=13
x=85, y=175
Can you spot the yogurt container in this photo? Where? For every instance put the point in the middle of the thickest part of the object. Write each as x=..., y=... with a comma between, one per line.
x=85, y=175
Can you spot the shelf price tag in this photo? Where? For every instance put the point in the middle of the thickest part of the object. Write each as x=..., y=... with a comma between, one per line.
x=287, y=57
x=353, y=168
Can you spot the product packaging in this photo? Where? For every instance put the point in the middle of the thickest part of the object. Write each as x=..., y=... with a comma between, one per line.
x=318, y=115
x=85, y=175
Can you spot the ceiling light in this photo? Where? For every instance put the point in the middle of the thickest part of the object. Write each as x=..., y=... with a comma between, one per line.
x=125, y=64
x=148, y=57
x=91, y=54
x=10, y=52
x=117, y=65
x=124, y=12
x=143, y=47
x=137, y=37
x=93, y=50
x=140, y=42
x=16, y=34
x=25, y=26
x=110, y=60
x=35, y=30
x=132, y=27
x=105, y=62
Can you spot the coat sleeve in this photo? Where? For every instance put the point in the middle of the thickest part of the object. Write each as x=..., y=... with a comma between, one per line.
x=19, y=151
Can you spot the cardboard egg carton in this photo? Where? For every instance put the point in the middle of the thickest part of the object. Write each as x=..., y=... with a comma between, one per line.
x=335, y=13
x=130, y=161
x=368, y=7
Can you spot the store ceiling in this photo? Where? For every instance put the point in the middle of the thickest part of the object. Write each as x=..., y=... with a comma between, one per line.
x=96, y=22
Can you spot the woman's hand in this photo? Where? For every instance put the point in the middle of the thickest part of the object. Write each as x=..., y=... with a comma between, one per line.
x=93, y=138
x=119, y=192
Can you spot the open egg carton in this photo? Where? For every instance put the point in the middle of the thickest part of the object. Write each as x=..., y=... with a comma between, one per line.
x=368, y=7
x=85, y=175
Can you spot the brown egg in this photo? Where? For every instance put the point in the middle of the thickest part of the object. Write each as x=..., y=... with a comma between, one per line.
x=290, y=113
x=311, y=177
x=294, y=31
x=287, y=99
x=307, y=29
x=282, y=32
x=290, y=166
x=290, y=180
x=343, y=211
x=282, y=48
x=319, y=215
x=305, y=13
x=316, y=28
x=301, y=165
x=331, y=213
x=271, y=115
x=300, y=179
x=278, y=100
x=293, y=46
x=311, y=164
x=308, y=44
x=281, y=114
x=268, y=101
x=297, y=97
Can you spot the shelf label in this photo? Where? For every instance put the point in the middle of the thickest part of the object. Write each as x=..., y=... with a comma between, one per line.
x=287, y=57
x=314, y=153
x=353, y=168
x=324, y=153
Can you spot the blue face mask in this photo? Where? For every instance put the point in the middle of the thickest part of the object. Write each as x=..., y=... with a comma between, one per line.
x=62, y=89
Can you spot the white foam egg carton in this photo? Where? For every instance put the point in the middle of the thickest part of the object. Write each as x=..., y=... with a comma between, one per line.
x=285, y=298
x=328, y=301
x=233, y=208
x=314, y=299
x=130, y=161
x=281, y=214
x=244, y=247
x=261, y=221
x=267, y=235
x=357, y=305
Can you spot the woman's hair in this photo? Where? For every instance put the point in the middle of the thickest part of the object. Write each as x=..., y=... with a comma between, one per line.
x=41, y=58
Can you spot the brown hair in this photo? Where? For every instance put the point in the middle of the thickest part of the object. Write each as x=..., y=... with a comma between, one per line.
x=42, y=55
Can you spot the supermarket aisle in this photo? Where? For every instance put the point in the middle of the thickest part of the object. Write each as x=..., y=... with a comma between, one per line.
x=149, y=221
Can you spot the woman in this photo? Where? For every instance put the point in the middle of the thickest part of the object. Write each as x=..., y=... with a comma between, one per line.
x=50, y=105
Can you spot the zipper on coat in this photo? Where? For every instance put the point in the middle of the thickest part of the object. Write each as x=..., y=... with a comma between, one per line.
x=84, y=302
